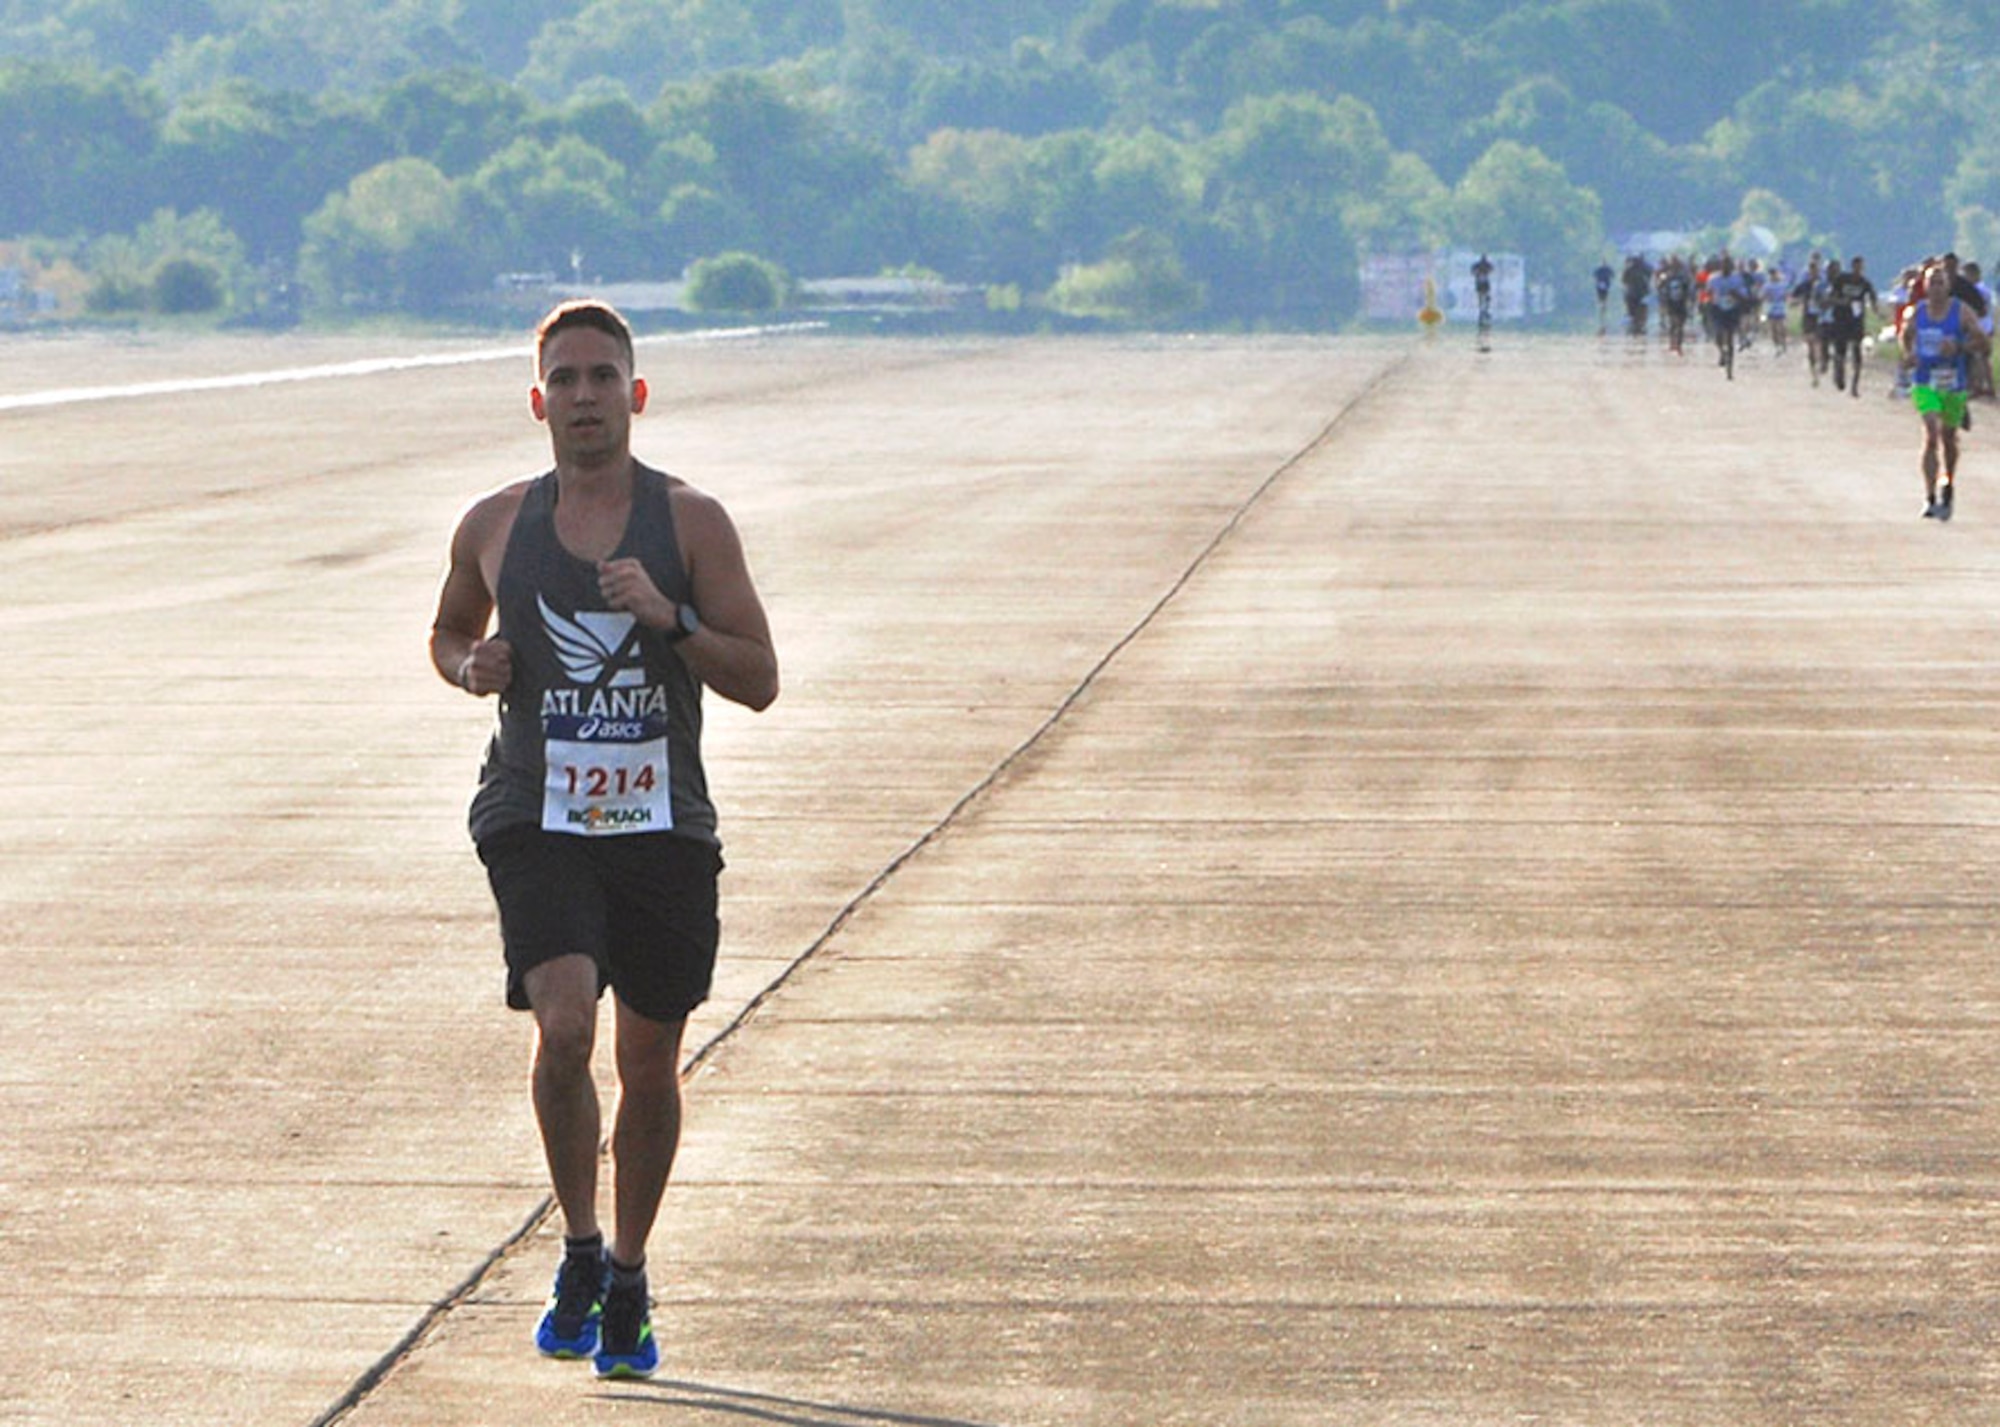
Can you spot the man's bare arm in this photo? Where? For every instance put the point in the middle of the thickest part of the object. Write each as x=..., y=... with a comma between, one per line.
x=733, y=653
x=460, y=650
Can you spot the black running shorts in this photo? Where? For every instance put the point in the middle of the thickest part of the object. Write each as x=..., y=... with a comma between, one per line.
x=642, y=906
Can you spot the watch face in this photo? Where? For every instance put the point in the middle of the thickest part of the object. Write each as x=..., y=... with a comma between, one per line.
x=688, y=619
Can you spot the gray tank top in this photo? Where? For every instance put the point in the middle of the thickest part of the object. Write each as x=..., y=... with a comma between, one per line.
x=600, y=731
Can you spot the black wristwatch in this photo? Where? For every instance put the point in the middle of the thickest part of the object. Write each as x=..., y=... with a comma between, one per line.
x=686, y=622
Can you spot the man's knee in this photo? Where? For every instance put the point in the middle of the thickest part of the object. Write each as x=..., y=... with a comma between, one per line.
x=564, y=1044
x=648, y=1049
x=563, y=996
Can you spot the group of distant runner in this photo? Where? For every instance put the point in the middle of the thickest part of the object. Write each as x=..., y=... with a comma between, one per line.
x=1940, y=314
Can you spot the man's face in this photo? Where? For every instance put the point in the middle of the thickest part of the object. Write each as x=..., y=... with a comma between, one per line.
x=587, y=395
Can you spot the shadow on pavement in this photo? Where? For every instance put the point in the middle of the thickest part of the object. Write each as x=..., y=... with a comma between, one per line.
x=762, y=1407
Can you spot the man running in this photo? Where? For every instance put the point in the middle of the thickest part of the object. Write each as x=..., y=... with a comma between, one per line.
x=1482, y=287
x=1728, y=298
x=1753, y=285
x=1964, y=286
x=1853, y=297
x=1904, y=297
x=1638, y=283
x=1807, y=293
x=1777, y=291
x=1982, y=366
x=620, y=592
x=1704, y=301
x=1602, y=275
x=1968, y=289
x=1676, y=291
x=1940, y=337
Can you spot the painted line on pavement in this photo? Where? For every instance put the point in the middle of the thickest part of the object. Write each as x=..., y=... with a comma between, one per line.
x=370, y=366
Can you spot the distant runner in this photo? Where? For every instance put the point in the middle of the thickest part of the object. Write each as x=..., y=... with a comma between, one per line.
x=1777, y=293
x=1676, y=292
x=1965, y=286
x=1939, y=339
x=1853, y=299
x=1807, y=293
x=1638, y=282
x=1982, y=364
x=1728, y=299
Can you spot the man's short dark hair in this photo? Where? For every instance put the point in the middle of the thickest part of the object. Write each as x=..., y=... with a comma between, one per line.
x=584, y=312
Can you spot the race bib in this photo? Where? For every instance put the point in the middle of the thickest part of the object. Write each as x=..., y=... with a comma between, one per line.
x=604, y=787
x=1943, y=378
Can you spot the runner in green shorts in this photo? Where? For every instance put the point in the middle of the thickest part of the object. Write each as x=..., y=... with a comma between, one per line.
x=1949, y=405
x=1939, y=335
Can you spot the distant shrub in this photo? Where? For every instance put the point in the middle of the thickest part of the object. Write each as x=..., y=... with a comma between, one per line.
x=736, y=282
x=116, y=292
x=185, y=285
x=1142, y=281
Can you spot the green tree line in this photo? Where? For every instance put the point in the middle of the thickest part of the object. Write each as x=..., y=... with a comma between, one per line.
x=1220, y=160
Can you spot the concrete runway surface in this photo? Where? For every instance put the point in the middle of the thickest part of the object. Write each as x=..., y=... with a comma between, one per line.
x=1291, y=882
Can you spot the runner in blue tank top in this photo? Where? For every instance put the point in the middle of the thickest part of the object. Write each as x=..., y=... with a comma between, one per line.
x=1939, y=338
x=620, y=593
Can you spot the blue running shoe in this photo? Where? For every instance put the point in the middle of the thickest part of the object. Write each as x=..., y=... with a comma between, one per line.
x=569, y=1326
x=626, y=1347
